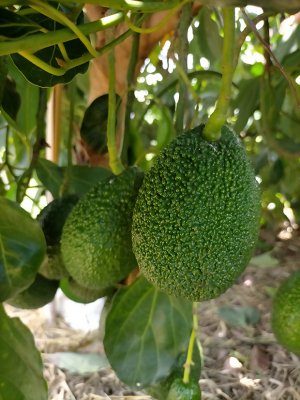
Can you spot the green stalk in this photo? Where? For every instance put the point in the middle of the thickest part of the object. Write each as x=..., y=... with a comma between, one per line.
x=75, y=62
x=185, y=20
x=114, y=158
x=39, y=144
x=44, y=40
x=132, y=5
x=68, y=172
x=56, y=15
x=130, y=85
x=189, y=358
x=212, y=130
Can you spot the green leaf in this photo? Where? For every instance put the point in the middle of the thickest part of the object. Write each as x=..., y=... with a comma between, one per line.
x=78, y=363
x=246, y=101
x=29, y=94
x=145, y=332
x=94, y=124
x=15, y=26
x=3, y=74
x=50, y=55
x=265, y=260
x=209, y=40
x=82, y=177
x=22, y=246
x=11, y=100
x=240, y=316
x=21, y=369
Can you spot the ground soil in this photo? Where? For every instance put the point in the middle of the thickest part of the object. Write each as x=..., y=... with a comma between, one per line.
x=240, y=362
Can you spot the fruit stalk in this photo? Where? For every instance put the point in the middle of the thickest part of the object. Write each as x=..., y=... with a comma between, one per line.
x=193, y=337
x=114, y=158
x=212, y=130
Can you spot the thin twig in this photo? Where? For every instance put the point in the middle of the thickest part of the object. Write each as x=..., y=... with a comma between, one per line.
x=277, y=63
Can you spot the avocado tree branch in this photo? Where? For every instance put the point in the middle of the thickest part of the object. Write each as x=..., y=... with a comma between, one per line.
x=276, y=62
x=212, y=130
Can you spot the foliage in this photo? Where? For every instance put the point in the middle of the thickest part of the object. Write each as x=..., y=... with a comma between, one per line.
x=45, y=50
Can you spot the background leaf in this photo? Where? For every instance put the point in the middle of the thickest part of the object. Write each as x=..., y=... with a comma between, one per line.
x=82, y=179
x=22, y=246
x=21, y=369
x=145, y=332
x=80, y=363
x=239, y=316
x=246, y=101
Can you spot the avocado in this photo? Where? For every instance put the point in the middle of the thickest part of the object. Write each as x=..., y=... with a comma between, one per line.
x=96, y=240
x=184, y=391
x=80, y=294
x=52, y=219
x=196, y=218
x=38, y=294
x=286, y=313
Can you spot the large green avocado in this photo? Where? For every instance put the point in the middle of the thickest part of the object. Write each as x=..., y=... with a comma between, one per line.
x=96, y=240
x=286, y=313
x=196, y=218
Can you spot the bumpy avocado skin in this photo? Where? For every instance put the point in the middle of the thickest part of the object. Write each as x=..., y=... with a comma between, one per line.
x=286, y=313
x=196, y=218
x=96, y=242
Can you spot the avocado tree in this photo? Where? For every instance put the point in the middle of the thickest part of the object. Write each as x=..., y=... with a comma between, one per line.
x=134, y=137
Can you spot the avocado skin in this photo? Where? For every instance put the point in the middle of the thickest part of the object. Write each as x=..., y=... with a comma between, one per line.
x=286, y=313
x=38, y=294
x=184, y=391
x=196, y=218
x=96, y=240
x=51, y=220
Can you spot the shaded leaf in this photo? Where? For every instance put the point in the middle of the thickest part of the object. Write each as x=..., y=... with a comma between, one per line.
x=29, y=96
x=22, y=246
x=239, y=316
x=209, y=40
x=14, y=25
x=94, y=124
x=21, y=369
x=246, y=101
x=11, y=99
x=145, y=332
x=52, y=56
x=277, y=171
x=82, y=177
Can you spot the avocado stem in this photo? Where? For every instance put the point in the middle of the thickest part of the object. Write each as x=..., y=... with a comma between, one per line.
x=114, y=157
x=212, y=130
x=189, y=358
